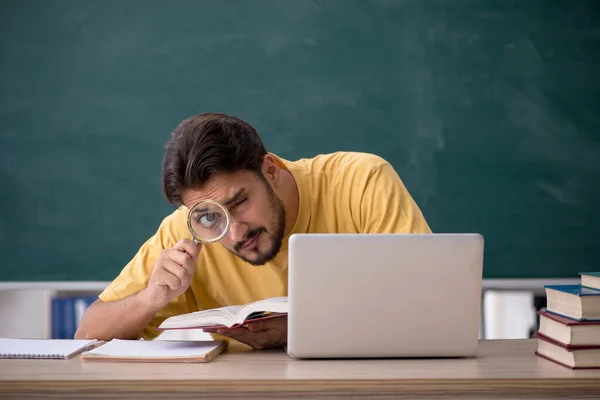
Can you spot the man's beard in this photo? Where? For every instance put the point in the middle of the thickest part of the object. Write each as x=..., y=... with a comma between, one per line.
x=275, y=238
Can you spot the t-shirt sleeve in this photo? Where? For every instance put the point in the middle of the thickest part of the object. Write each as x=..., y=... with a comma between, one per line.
x=385, y=205
x=136, y=274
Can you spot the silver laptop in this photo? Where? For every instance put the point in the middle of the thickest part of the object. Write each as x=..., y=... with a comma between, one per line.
x=384, y=295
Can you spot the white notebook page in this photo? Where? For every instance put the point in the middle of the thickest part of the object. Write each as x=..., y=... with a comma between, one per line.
x=155, y=348
x=41, y=348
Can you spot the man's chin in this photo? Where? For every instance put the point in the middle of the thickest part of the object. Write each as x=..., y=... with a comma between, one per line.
x=258, y=259
x=258, y=262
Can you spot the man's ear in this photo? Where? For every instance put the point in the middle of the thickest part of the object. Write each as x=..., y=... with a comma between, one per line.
x=271, y=170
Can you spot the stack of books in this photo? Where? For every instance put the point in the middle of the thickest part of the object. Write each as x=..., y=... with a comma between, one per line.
x=569, y=328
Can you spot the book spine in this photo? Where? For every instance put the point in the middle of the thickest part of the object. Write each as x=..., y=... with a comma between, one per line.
x=66, y=314
x=56, y=318
x=69, y=317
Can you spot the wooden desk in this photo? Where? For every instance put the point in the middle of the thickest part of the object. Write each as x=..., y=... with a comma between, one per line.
x=502, y=369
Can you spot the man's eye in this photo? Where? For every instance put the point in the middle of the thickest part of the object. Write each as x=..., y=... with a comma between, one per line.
x=240, y=202
x=207, y=220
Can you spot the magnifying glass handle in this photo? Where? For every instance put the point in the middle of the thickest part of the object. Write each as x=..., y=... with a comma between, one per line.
x=195, y=241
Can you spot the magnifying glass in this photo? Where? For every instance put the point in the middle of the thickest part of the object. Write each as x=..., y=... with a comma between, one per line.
x=208, y=221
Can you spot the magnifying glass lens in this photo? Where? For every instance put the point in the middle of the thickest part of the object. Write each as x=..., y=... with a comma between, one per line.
x=208, y=221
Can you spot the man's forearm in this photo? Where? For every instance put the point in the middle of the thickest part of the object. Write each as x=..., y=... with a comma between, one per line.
x=121, y=319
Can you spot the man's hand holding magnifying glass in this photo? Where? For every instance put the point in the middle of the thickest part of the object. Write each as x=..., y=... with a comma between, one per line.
x=208, y=221
x=172, y=275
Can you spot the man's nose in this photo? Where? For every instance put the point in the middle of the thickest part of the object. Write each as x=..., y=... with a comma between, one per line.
x=237, y=231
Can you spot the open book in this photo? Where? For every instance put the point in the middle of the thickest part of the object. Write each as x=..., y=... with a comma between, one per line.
x=230, y=317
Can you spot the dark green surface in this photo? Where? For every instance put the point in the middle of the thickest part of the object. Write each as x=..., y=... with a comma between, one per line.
x=488, y=109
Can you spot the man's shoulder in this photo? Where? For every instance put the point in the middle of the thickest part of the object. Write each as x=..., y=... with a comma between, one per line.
x=342, y=162
x=173, y=227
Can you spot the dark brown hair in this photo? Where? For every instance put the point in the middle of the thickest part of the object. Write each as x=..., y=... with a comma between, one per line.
x=204, y=145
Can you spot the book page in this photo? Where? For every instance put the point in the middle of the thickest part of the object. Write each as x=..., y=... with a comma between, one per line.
x=272, y=305
x=38, y=348
x=148, y=349
x=216, y=316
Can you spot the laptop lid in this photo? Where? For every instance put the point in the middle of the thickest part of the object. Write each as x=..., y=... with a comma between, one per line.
x=384, y=295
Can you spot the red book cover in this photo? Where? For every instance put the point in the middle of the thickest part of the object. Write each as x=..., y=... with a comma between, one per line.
x=569, y=348
x=561, y=364
x=565, y=320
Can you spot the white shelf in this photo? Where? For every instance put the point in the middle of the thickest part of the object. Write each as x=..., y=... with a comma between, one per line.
x=25, y=306
x=533, y=285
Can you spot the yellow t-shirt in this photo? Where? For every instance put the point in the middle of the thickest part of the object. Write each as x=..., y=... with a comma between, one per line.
x=342, y=192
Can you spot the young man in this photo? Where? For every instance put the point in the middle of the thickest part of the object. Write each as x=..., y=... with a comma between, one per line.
x=220, y=157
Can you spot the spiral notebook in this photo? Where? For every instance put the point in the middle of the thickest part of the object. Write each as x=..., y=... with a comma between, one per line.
x=45, y=348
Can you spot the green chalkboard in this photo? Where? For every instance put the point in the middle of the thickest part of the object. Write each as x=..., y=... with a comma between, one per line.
x=488, y=109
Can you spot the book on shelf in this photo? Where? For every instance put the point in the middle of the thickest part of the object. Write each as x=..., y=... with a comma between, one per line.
x=45, y=348
x=230, y=317
x=188, y=351
x=590, y=279
x=66, y=312
x=577, y=302
x=570, y=356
